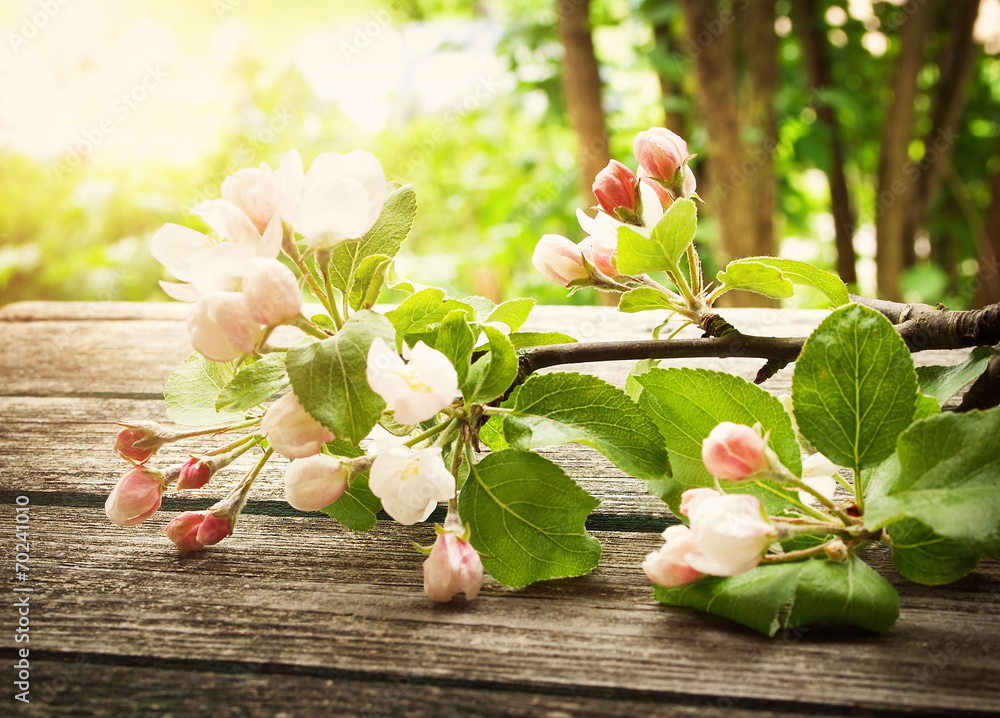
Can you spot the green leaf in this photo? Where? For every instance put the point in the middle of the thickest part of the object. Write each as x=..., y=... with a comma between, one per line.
x=947, y=476
x=385, y=238
x=632, y=386
x=943, y=382
x=854, y=387
x=254, y=383
x=849, y=593
x=493, y=373
x=686, y=404
x=522, y=340
x=418, y=312
x=368, y=281
x=926, y=406
x=191, y=391
x=807, y=275
x=817, y=590
x=329, y=377
x=514, y=313
x=357, y=507
x=668, y=241
x=756, y=277
x=528, y=518
x=643, y=299
x=922, y=556
x=564, y=407
x=454, y=340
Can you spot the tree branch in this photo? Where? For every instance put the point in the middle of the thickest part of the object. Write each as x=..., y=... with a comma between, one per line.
x=920, y=325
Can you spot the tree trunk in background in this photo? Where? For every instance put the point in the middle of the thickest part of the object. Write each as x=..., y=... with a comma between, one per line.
x=582, y=84
x=673, y=118
x=896, y=185
x=955, y=64
x=760, y=44
x=808, y=21
x=732, y=195
x=988, y=278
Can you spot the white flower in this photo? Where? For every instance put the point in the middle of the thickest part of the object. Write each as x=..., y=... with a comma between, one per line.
x=271, y=292
x=731, y=534
x=220, y=327
x=292, y=431
x=339, y=198
x=416, y=390
x=252, y=190
x=212, y=263
x=818, y=472
x=669, y=566
x=410, y=483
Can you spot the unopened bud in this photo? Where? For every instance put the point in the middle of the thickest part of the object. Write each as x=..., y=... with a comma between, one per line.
x=194, y=530
x=195, y=473
x=138, y=442
x=733, y=451
x=614, y=188
x=452, y=567
x=559, y=260
x=135, y=497
x=271, y=292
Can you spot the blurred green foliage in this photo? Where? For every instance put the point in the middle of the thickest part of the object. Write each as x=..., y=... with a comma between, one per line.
x=492, y=172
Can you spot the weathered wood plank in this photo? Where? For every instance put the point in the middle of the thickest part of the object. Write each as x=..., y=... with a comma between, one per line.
x=322, y=597
x=91, y=685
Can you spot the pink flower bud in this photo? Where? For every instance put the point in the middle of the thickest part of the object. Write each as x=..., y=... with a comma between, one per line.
x=691, y=497
x=213, y=529
x=668, y=566
x=183, y=530
x=731, y=534
x=137, y=442
x=221, y=328
x=291, y=431
x=600, y=255
x=271, y=292
x=315, y=482
x=194, y=530
x=559, y=260
x=733, y=452
x=660, y=152
x=614, y=187
x=194, y=474
x=135, y=497
x=452, y=567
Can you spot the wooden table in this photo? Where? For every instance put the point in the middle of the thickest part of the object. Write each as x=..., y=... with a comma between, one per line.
x=295, y=615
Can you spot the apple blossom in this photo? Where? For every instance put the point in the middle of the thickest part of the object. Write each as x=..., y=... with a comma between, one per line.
x=135, y=497
x=220, y=327
x=315, y=482
x=731, y=534
x=689, y=187
x=339, y=198
x=415, y=390
x=291, y=430
x=693, y=496
x=733, y=451
x=614, y=188
x=661, y=152
x=195, y=473
x=137, y=442
x=410, y=482
x=668, y=566
x=452, y=567
x=252, y=190
x=194, y=530
x=213, y=263
x=271, y=292
x=559, y=260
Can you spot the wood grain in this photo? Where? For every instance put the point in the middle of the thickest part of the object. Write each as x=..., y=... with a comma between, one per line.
x=295, y=615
